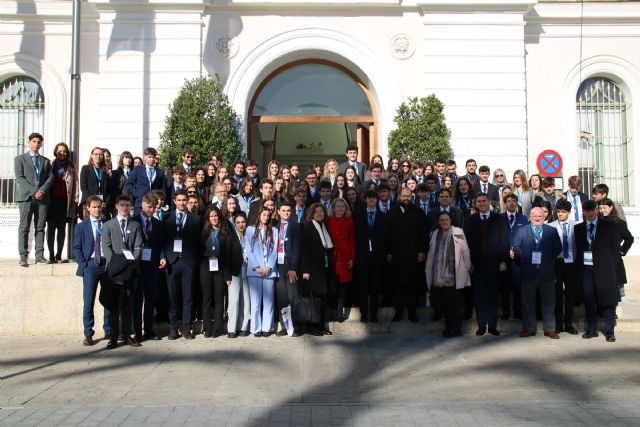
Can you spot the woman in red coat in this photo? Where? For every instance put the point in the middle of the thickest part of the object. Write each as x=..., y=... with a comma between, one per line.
x=341, y=230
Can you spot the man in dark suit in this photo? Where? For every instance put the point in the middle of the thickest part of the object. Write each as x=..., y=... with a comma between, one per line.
x=288, y=263
x=376, y=177
x=598, y=248
x=406, y=252
x=441, y=172
x=152, y=259
x=444, y=205
x=371, y=247
x=146, y=178
x=87, y=250
x=182, y=248
x=313, y=195
x=488, y=239
x=471, y=174
x=512, y=277
x=298, y=210
x=536, y=248
x=266, y=190
x=484, y=186
x=34, y=179
x=121, y=237
x=352, y=160
x=576, y=197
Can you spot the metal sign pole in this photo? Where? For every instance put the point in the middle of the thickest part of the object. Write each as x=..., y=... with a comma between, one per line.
x=75, y=97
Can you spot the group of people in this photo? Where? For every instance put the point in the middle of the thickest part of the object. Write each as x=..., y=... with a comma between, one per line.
x=231, y=249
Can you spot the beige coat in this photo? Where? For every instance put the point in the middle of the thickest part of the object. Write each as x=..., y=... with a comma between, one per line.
x=72, y=194
x=463, y=258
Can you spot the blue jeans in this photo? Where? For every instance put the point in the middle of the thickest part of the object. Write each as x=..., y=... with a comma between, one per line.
x=590, y=307
x=92, y=275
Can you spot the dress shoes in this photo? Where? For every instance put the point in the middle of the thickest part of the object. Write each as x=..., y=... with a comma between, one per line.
x=266, y=334
x=296, y=334
x=245, y=333
x=258, y=334
x=173, y=335
x=112, y=344
x=151, y=337
x=133, y=342
x=553, y=335
x=571, y=330
x=527, y=334
x=42, y=260
x=610, y=337
x=326, y=332
x=23, y=262
x=481, y=331
x=315, y=333
x=187, y=335
x=88, y=341
x=493, y=331
x=232, y=335
x=590, y=334
x=281, y=333
x=207, y=335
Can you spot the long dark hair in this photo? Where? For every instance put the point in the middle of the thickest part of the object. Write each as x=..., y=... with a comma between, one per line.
x=223, y=228
x=268, y=230
x=69, y=167
x=613, y=216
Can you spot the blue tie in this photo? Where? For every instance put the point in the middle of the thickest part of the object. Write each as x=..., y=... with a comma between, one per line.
x=575, y=207
x=299, y=211
x=371, y=219
x=36, y=167
x=97, y=248
x=565, y=241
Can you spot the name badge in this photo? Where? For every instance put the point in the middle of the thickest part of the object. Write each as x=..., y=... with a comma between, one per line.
x=588, y=258
x=177, y=245
x=128, y=255
x=213, y=263
x=100, y=196
x=569, y=258
x=146, y=254
x=536, y=257
x=280, y=258
x=370, y=246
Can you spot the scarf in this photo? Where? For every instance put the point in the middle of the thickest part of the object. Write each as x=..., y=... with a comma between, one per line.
x=324, y=235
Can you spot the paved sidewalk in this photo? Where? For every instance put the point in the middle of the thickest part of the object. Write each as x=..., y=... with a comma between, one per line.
x=382, y=379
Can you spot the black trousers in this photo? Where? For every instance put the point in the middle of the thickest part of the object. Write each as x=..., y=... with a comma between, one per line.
x=485, y=283
x=213, y=289
x=370, y=274
x=450, y=299
x=406, y=296
x=567, y=283
x=285, y=292
x=179, y=278
x=121, y=317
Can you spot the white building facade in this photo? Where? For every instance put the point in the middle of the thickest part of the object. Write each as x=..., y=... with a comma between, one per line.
x=517, y=77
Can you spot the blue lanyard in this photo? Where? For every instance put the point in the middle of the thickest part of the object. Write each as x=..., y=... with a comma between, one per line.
x=591, y=234
x=214, y=238
x=98, y=173
x=537, y=235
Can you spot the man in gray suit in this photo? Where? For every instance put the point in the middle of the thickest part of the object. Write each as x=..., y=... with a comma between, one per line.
x=121, y=236
x=34, y=179
x=352, y=160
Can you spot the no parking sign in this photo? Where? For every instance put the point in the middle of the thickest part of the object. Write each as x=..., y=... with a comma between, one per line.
x=549, y=163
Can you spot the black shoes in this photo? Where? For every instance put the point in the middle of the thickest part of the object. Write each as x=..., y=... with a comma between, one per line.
x=571, y=330
x=296, y=334
x=151, y=337
x=112, y=344
x=281, y=333
x=590, y=334
x=232, y=335
x=245, y=333
x=481, y=331
x=610, y=337
x=258, y=334
x=493, y=331
x=326, y=332
x=314, y=332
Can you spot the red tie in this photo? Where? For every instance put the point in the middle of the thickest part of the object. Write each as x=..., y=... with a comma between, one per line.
x=147, y=229
x=484, y=188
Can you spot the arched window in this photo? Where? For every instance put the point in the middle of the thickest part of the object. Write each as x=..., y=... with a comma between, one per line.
x=601, y=107
x=21, y=112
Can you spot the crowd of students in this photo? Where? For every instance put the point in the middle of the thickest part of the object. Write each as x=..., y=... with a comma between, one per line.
x=231, y=249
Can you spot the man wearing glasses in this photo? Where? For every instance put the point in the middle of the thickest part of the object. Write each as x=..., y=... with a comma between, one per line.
x=187, y=160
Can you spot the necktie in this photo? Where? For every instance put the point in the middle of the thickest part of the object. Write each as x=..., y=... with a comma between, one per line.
x=575, y=207
x=147, y=229
x=299, y=211
x=512, y=219
x=281, y=238
x=591, y=233
x=123, y=225
x=484, y=217
x=180, y=216
x=97, y=248
x=150, y=175
x=484, y=188
x=36, y=166
x=425, y=207
x=565, y=240
x=355, y=167
x=371, y=219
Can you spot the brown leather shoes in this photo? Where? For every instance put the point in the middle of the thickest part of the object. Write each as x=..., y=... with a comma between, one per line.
x=526, y=334
x=173, y=335
x=553, y=335
x=187, y=335
x=133, y=342
x=88, y=341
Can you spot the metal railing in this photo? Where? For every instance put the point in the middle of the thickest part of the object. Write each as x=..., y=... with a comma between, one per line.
x=21, y=112
x=603, y=142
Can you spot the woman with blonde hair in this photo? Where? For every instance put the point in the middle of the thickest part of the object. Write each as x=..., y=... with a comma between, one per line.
x=526, y=196
x=273, y=170
x=330, y=171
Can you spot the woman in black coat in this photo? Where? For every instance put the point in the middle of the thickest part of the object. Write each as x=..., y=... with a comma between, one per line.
x=94, y=178
x=608, y=210
x=212, y=276
x=316, y=260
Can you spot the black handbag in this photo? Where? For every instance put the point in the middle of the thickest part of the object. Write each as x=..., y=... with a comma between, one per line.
x=120, y=269
x=306, y=309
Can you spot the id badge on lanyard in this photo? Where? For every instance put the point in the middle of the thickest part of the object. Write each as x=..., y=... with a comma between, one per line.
x=177, y=245
x=536, y=257
x=280, y=258
x=588, y=258
x=213, y=263
x=146, y=254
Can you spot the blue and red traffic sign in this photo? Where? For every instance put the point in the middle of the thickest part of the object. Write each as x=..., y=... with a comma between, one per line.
x=549, y=163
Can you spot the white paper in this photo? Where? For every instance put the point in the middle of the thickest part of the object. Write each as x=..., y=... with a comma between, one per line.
x=213, y=263
x=569, y=258
x=177, y=245
x=128, y=255
x=146, y=254
x=588, y=258
x=536, y=257
x=280, y=258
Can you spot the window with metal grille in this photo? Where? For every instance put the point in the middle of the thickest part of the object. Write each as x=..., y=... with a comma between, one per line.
x=21, y=112
x=603, y=142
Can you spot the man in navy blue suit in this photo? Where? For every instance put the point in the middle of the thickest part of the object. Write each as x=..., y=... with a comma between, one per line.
x=288, y=263
x=512, y=279
x=536, y=248
x=87, y=249
x=145, y=178
x=152, y=260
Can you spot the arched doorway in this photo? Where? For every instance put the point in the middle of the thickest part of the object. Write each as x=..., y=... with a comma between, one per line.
x=308, y=111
